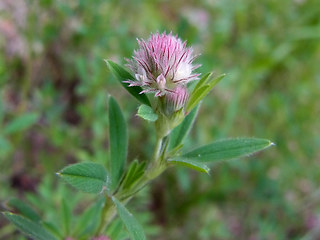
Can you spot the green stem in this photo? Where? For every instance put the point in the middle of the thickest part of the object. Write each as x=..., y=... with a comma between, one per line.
x=107, y=214
x=157, y=149
x=155, y=168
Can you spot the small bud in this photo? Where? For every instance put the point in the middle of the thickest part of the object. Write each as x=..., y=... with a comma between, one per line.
x=176, y=99
x=161, y=82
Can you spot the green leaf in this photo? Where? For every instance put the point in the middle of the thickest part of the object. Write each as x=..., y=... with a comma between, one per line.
x=88, y=221
x=87, y=177
x=202, y=81
x=116, y=230
x=5, y=145
x=66, y=217
x=190, y=163
x=202, y=90
x=181, y=131
x=134, y=228
x=53, y=229
x=28, y=227
x=21, y=123
x=147, y=113
x=175, y=151
x=127, y=181
x=118, y=142
x=228, y=149
x=196, y=97
x=122, y=75
x=214, y=81
x=135, y=171
x=23, y=209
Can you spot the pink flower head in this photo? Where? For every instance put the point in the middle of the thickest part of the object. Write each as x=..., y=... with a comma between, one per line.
x=162, y=63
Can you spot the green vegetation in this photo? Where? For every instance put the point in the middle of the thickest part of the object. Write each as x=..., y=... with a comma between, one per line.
x=54, y=85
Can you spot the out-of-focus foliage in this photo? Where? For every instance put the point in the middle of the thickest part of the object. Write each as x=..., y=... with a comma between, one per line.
x=54, y=86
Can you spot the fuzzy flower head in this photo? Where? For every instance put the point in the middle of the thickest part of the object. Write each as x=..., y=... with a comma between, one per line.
x=162, y=64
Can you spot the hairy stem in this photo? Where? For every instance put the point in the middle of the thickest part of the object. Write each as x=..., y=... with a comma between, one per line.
x=157, y=149
x=155, y=168
x=108, y=213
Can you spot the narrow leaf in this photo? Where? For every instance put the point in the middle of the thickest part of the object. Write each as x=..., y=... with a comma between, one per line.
x=196, y=97
x=175, y=151
x=23, y=209
x=118, y=142
x=147, y=113
x=88, y=221
x=228, y=149
x=87, y=177
x=181, y=131
x=134, y=228
x=116, y=230
x=134, y=172
x=202, y=90
x=127, y=181
x=28, y=227
x=21, y=123
x=202, y=81
x=213, y=82
x=190, y=163
x=53, y=229
x=122, y=75
x=66, y=217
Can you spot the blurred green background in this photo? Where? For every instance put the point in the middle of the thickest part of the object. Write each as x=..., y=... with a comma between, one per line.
x=53, y=90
